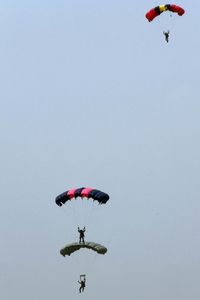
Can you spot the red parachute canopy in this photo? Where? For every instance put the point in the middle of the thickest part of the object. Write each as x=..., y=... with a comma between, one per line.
x=83, y=192
x=156, y=11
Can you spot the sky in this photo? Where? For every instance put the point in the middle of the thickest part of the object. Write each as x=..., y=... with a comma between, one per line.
x=92, y=95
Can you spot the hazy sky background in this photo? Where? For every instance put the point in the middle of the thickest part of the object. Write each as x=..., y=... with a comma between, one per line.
x=91, y=95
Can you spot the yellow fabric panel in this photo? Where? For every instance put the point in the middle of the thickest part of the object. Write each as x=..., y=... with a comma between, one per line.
x=162, y=8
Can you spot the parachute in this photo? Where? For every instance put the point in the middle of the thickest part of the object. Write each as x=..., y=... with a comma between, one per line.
x=156, y=11
x=70, y=248
x=83, y=192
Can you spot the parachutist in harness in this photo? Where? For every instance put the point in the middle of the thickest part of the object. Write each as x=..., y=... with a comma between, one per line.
x=166, y=34
x=82, y=283
x=81, y=235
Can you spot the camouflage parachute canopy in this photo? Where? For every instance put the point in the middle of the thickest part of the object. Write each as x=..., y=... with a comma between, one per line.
x=70, y=248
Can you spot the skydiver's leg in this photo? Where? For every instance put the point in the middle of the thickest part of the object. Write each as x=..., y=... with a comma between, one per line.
x=80, y=289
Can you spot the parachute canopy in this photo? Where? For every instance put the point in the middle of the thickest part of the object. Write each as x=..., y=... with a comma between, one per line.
x=70, y=248
x=83, y=192
x=156, y=11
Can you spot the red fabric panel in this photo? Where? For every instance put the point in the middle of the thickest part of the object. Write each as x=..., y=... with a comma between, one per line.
x=85, y=192
x=179, y=10
x=70, y=193
x=151, y=15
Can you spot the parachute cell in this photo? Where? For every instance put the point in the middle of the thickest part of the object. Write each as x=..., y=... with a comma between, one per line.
x=70, y=248
x=83, y=192
x=156, y=11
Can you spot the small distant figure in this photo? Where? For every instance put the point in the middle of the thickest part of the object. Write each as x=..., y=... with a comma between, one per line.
x=166, y=34
x=82, y=283
x=81, y=235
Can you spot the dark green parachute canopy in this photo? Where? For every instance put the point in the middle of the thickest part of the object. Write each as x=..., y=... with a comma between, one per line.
x=70, y=248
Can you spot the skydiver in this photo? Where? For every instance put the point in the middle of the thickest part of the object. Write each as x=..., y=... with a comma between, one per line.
x=82, y=285
x=166, y=34
x=81, y=235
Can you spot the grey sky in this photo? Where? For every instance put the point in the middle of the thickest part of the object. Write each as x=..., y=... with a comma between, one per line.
x=91, y=95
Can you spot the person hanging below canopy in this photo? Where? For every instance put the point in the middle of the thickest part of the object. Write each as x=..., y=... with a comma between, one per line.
x=81, y=235
x=166, y=34
x=82, y=283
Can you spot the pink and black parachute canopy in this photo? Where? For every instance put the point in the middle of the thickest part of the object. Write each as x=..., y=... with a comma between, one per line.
x=82, y=192
x=156, y=11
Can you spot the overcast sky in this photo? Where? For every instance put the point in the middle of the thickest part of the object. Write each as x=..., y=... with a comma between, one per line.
x=92, y=95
